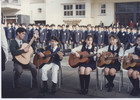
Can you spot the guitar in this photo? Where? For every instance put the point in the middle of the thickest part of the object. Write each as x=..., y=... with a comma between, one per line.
x=24, y=58
x=106, y=58
x=131, y=61
x=47, y=58
x=74, y=61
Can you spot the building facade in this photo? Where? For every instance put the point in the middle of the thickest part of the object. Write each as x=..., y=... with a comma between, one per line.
x=71, y=12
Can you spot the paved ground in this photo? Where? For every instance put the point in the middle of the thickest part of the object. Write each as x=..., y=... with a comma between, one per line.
x=69, y=87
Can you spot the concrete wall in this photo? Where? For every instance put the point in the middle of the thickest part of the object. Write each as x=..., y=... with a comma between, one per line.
x=35, y=14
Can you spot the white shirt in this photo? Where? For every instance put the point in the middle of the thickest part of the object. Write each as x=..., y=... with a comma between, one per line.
x=105, y=49
x=79, y=48
x=131, y=50
x=19, y=41
x=54, y=48
x=4, y=43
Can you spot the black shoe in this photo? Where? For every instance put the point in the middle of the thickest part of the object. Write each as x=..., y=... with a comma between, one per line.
x=35, y=85
x=132, y=91
x=135, y=92
x=85, y=91
x=53, y=88
x=44, y=89
x=109, y=89
x=81, y=91
x=107, y=85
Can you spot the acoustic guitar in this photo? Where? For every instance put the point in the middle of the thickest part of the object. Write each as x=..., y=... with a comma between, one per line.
x=106, y=58
x=40, y=61
x=24, y=58
x=131, y=61
x=74, y=61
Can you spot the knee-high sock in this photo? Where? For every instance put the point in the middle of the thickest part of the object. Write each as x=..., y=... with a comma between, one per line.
x=132, y=81
x=87, y=80
x=82, y=81
x=111, y=79
x=108, y=78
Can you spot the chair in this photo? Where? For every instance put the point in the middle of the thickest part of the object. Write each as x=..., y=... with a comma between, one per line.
x=23, y=71
x=120, y=73
x=128, y=85
x=59, y=77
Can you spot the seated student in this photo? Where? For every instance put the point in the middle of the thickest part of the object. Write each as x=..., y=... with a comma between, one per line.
x=54, y=63
x=18, y=67
x=85, y=68
x=110, y=70
x=133, y=72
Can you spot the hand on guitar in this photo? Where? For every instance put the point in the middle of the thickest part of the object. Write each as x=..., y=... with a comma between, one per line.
x=26, y=49
x=41, y=54
x=77, y=55
x=60, y=54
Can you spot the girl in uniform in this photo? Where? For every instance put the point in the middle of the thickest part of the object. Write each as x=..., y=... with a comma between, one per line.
x=85, y=68
x=133, y=72
x=110, y=70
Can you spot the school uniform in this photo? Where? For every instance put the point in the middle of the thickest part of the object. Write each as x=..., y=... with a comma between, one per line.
x=42, y=37
x=76, y=37
x=117, y=51
x=85, y=79
x=135, y=82
x=134, y=50
x=54, y=63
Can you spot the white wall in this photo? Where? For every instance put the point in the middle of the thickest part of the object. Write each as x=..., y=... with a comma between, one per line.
x=54, y=11
x=110, y=10
x=35, y=15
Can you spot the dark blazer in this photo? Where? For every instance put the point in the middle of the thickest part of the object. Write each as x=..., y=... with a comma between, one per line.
x=9, y=33
x=53, y=32
x=54, y=59
x=77, y=36
x=42, y=35
x=63, y=36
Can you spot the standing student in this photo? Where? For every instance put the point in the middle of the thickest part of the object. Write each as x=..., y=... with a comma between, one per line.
x=110, y=70
x=85, y=68
x=133, y=72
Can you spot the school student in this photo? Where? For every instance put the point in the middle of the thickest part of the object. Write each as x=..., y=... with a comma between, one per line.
x=85, y=68
x=133, y=72
x=110, y=70
x=54, y=63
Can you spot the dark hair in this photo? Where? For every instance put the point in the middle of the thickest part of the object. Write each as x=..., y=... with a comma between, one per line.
x=20, y=30
x=87, y=38
x=137, y=37
x=116, y=37
x=55, y=38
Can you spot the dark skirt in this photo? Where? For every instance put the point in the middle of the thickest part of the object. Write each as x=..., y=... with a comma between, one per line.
x=137, y=68
x=116, y=65
x=91, y=65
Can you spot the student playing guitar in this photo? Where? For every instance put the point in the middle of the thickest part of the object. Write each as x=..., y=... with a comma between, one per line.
x=133, y=72
x=54, y=63
x=110, y=70
x=18, y=67
x=85, y=68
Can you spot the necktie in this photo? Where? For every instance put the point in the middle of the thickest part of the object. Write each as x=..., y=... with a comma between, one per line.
x=113, y=48
x=87, y=46
x=20, y=44
x=52, y=49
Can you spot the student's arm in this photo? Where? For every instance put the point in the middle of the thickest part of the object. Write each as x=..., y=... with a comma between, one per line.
x=121, y=52
x=131, y=50
x=76, y=49
x=104, y=49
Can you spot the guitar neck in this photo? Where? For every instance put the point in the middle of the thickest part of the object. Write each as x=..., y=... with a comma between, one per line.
x=30, y=43
x=136, y=60
x=90, y=55
x=68, y=50
x=112, y=58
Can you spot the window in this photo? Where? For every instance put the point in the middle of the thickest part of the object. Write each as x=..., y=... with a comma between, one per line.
x=74, y=10
x=103, y=9
x=80, y=10
x=68, y=10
